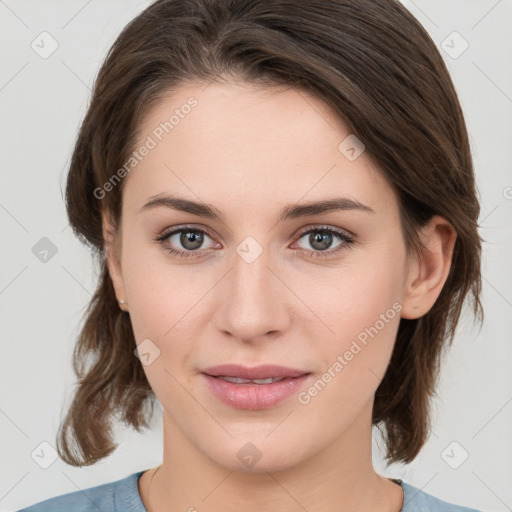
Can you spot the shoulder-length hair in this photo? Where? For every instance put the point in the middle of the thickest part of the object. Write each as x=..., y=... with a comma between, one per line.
x=369, y=60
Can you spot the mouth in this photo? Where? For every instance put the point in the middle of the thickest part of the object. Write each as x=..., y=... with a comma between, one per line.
x=254, y=373
x=253, y=388
x=240, y=380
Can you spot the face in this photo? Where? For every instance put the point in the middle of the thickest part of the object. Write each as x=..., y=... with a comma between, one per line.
x=318, y=290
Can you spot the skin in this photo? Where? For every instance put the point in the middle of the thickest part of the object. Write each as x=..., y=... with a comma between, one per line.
x=249, y=152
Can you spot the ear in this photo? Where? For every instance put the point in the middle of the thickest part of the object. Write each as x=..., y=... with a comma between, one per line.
x=112, y=241
x=428, y=273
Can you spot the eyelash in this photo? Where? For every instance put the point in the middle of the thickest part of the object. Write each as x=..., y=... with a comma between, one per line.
x=343, y=236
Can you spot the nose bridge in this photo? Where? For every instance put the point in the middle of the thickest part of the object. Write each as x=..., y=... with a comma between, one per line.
x=250, y=273
x=254, y=305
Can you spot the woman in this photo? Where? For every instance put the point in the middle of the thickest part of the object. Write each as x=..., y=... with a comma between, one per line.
x=282, y=198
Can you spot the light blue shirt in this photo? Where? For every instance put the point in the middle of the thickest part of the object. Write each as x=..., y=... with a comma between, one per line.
x=123, y=496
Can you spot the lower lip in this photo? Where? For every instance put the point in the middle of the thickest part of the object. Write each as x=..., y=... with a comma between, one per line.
x=254, y=396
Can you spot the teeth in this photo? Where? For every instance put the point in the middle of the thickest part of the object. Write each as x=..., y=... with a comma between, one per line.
x=239, y=380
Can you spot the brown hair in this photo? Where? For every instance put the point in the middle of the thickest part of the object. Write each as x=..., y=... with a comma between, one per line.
x=369, y=60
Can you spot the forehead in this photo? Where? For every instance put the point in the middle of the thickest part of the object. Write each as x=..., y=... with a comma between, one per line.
x=241, y=142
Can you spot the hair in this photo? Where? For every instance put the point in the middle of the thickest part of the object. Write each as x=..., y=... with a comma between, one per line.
x=374, y=64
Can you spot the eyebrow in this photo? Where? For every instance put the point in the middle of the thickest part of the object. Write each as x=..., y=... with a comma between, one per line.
x=291, y=211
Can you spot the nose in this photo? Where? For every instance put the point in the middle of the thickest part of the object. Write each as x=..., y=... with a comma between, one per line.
x=255, y=300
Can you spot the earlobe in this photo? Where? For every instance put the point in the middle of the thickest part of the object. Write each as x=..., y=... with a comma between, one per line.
x=111, y=240
x=428, y=273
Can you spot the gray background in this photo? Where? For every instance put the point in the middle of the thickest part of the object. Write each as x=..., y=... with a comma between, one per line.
x=43, y=101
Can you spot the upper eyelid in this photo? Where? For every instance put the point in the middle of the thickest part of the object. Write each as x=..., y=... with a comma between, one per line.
x=174, y=230
x=326, y=228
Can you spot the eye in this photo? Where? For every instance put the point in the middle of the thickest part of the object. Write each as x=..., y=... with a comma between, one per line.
x=321, y=239
x=188, y=238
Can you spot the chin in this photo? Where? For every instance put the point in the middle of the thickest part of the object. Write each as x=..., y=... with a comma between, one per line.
x=257, y=454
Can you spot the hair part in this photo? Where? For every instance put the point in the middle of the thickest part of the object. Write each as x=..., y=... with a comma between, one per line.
x=370, y=61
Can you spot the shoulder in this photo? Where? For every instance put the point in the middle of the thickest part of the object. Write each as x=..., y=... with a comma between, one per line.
x=416, y=500
x=119, y=496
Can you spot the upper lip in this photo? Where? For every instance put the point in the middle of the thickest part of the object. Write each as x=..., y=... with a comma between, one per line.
x=264, y=371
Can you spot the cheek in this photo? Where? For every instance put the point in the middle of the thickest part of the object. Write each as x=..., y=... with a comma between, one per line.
x=159, y=290
x=162, y=309
x=166, y=305
x=361, y=308
x=358, y=294
x=163, y=304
